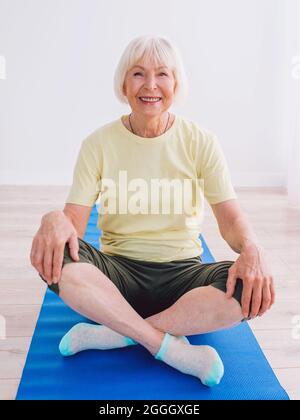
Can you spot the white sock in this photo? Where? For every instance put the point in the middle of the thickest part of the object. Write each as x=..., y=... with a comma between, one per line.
x=200, y=361
x=84, y=336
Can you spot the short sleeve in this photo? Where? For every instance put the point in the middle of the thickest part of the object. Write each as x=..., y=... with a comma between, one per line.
x=212, y=169
x=87, y=175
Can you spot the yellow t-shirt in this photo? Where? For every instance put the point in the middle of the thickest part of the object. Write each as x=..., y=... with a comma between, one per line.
x=150, y=191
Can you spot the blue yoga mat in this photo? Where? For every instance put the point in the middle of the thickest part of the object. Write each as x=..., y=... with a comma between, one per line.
x=132, y=373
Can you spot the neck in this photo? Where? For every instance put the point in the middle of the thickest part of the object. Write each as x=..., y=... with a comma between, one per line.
x=148, y=126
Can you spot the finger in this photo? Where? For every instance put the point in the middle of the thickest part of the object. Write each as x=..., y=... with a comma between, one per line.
x=230, y=285
x=58, y=257
x=256, y=300
x=273, y=293
x=266, y=300
x=39, y=263
x=74, y=247
x=48, y=262
x=37, y=256
x=246, y=298
x=32, y=251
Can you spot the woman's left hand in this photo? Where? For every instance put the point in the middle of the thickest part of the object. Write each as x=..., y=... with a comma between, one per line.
x=258, y=286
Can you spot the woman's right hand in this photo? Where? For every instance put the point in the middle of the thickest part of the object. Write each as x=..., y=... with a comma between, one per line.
x=47, y=251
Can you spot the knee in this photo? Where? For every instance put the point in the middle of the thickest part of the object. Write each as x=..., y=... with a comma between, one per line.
x=77, y=274
x=221, y=280
x=70, y=274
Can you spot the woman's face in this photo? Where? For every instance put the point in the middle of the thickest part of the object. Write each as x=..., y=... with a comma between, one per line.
x=146, y=80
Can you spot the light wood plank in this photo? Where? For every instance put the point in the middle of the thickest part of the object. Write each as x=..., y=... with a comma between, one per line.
x=13, y=353
x=30, y=294
x=281, y=348
x=290, y=380
x=8, y=389
x=279, y=317
x=20, y=319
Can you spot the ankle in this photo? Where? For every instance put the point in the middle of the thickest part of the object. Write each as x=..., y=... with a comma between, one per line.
x=155, y=344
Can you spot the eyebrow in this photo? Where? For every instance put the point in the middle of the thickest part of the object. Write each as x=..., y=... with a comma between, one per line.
x=141, y=67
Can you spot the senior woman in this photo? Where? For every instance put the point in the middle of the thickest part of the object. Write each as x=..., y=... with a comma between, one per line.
x=147, y=283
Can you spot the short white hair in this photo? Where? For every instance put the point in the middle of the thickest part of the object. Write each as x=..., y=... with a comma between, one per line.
x=158, y=50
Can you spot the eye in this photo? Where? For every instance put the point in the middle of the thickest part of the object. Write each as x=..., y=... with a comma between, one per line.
x=161, y=74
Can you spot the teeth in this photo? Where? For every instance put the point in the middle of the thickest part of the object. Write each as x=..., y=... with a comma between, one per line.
x=150, y=99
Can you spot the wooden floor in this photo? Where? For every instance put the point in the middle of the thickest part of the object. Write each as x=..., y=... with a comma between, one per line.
x=22, y=291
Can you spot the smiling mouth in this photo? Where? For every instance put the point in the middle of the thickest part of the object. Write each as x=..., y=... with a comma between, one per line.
x=150, y=100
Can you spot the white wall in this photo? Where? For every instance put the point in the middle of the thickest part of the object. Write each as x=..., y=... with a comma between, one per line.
x=61, y=56
x=291, y=126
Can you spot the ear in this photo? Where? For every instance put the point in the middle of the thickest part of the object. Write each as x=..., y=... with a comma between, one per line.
x=175, y=84
x=175, y=87
x=124, y=88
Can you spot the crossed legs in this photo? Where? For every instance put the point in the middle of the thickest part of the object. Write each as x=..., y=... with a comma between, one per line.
x=88, y=291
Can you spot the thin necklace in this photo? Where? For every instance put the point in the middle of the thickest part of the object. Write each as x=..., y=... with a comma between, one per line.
x=157, y=136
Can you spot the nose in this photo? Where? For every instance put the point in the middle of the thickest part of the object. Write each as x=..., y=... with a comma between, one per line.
x=150, y=82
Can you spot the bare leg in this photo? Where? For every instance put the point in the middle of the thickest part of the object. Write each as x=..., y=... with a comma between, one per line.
x=88, y=291
x=201, y=310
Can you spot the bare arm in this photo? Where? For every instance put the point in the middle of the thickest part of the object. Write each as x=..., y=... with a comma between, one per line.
x=234, y=226
x=79, y=217
x=251, y=266
x=58, y=228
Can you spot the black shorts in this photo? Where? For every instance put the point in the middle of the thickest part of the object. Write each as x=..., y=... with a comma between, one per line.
x=151, y=287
